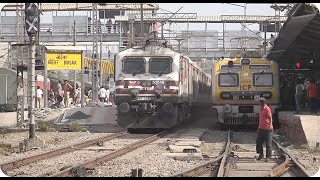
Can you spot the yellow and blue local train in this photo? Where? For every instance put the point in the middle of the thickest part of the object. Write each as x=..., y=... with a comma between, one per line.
x=237, y=83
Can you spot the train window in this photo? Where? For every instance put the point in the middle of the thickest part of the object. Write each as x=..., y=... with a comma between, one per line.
x=228, y=80
x=160, y=65
x=262, y=79
x=133, y=65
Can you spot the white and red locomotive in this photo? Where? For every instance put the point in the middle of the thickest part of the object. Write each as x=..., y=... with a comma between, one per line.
x=156, y=87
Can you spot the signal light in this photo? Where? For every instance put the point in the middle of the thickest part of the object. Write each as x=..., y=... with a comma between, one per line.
x=31, y=18
x=298, y=65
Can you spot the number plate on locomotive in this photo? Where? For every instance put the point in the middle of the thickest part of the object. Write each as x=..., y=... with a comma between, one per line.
x=144, y=98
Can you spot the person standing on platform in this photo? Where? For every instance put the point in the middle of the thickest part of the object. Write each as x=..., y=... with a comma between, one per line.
x=77, y=96
x=39, y=96
x=109, y=55
x=265, y=130
x=60, y=96
x=107, y=94
x=313, y=95
x=67, y=89
x=102, y=94
x=299, y=95
x=109, y=25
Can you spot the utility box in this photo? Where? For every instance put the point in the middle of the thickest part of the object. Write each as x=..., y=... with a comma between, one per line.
x=8, y=89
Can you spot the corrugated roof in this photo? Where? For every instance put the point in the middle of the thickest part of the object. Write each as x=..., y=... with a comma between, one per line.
x=298, y=39
x=87, y=6
x=66, y=48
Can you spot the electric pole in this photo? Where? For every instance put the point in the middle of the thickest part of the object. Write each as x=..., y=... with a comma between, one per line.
x=100, y=69
x=142, y=30
x=94, y=51
x=74, y=44
x=20, y=67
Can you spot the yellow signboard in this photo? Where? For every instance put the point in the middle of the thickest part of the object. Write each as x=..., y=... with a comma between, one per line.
x=66, y=61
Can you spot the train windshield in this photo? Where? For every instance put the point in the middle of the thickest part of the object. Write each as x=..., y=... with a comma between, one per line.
x=160, y=65
x=228, y=80
x=262, y=79
x=134, y=65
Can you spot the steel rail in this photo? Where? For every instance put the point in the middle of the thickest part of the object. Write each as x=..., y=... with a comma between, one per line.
x=28, y=160
x=201, y=169
x=225, y=155
x=279, y=169
x=290, y=161
x=208, y=166
x=107, y=157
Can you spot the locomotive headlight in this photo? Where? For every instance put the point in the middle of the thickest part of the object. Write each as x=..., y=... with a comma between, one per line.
x=225, y=95
x=124, y=107
x=227, y=108
x=148, y=83
x=144, y=84
x=267, y=95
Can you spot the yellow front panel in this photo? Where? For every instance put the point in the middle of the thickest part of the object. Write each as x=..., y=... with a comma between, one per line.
x=245, y=81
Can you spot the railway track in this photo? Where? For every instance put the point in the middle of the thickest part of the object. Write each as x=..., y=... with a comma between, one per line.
x=8, y=166
x=83, y=168
x=234, y=163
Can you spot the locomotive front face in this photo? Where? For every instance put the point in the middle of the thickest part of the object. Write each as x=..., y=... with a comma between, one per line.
x=145, y=83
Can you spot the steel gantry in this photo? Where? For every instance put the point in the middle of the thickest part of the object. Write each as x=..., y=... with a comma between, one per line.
x=95, y=36
x=18, y=54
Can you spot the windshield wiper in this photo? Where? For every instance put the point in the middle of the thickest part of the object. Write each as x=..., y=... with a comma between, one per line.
x=260, y=74
x=234, y=79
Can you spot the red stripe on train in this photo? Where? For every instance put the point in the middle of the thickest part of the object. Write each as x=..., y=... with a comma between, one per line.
x=119, y=83
x=165, y=91
x=171, y=83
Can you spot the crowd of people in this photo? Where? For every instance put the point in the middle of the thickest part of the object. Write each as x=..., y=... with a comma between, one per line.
x=300, y=95
x=66, y=95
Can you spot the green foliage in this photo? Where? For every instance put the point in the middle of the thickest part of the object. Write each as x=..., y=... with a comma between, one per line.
x=75, y=127
x=44, y=127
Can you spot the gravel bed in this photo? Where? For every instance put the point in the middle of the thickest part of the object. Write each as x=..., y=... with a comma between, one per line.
x=245, y=140
x=52, y=140
x=309, y=158
x=150, y=158
x=214, y=142
x=52, y=165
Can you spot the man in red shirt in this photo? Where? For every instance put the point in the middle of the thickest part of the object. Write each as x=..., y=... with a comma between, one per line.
x=313, y=95
x=265, y=129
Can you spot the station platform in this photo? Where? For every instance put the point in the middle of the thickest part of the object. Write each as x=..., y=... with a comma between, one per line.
x=301, y=128
x=94, y=119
